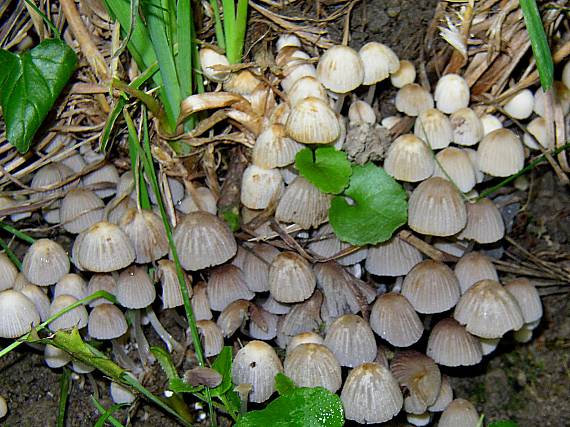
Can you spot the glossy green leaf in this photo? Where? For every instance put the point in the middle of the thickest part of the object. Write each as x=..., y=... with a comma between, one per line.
x=223, y=365
x=284, y=384
x=30, y=84
x=503, y=423
x=377, y=208
x=327, y=169
x=165, y=360
x=301, y=407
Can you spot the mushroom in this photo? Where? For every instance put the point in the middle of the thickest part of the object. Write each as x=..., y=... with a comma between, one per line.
x=45, y=262
x=313, y=365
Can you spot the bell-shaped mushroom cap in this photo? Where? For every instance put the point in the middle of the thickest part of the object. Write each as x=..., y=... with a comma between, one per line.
x=71, y=284
x=327, y=245
x=444, y=397
x=203, y=240
x=412, y=100
x=80, y=209
x=304, y=204
x=436, y=208
x=286, y=40
x=103, y=248
x=55, y=357
x=100, y=282
x=351, y=340
x=257, y=364
x=561, y=95
x=434, y=128
x=39, y=298
x=171, y=293
x=409, y=159
x=215, y=66
x=420, y=376
x=459, y=413
x=431, y=287
x=226, y=285
x=379, y=62
x=200, y=303
x=312, y=121
x=484, y=222
x=291, y=278
x=340, y=69
x=303, y=317
x=501, y=153
x=467, y=127
x=104, y=180
x=51, y=175
x=211, y=336
x=295, y=70
x=45, y=262
x=527, y=297
x=473, y=267
x=371, y=394
x=313, y=365
x=537, y=135
x=451, y=93
x=405, y=74
x=361, y=112
x=488, y=310
x=455, y=163
x=263, y=324
x=76, y=317
x=8, y=272
x=394, y=319
x=116, y=207
x=233, y=317
x=450, y=344
x=392, y=258
x=304, y=338
x=305, y=87
x=260, y=187
x=199, y=199
x=146, y=233
x=255, y=262
x=134, y=288
x=273, y=306
x=490, y=123
x=17, y=314
x=106, y=322
x=520, y=105
x=273, y=148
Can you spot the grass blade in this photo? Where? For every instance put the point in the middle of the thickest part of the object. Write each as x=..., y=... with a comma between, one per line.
x=106, y=414
x=134, y=152
x=185, y=47
x=539, y=43
x=11, y=255
x=64, y=384
x=229, y=25
x=220, y=37
x=239, y=36
x=19, y=234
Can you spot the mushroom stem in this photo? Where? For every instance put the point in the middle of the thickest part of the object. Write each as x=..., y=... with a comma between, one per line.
x=371, y=92
x=168, y=339
x=339, y=102
x=123, y=358
x=142, y=343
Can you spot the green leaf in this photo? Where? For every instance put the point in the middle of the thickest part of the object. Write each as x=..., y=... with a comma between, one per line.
x=302, y=407
x=30, y=84
x=539, y=43
x=379, y=208
x=284, y=384
x=179, y=386
x=503, y=423
x=165, y=361
x=328, y=169
x=223, y=365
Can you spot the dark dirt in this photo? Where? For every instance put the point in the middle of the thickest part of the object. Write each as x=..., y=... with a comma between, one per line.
x=528, y=383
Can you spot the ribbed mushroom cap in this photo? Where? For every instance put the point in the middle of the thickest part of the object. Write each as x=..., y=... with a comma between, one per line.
x=255, y=262
x=488, y=345
x=243, y=82
x=103, y=248
x=304, y=338
x=412, y=100
x=104, y=180
x=434, y=128
x=39, y=298
x=327, y=245
x=371, y=394
x=49, y=176
x=459, y=413
x=80, y=209
x=312, y=121
x=116, y=207
x=211, y=336
x=296, y=70
x=520, y=105
x=146, y=233
x=490, y=123
x=304, y=204
x=8, y=272
x=273, y=306
x=226, y=285
x=474, y=157
x=431, y=287
x=394, y=257
x=467, y=127
x=260, y=187
x=175, y=187
x=76, y=317
x=473, y=267
x=121, y=395
x=291, y=278
x=537, y=135
x=215, y=66
x=405, y=74
x=436, y=208
x=71, y=284
x=257, y=364
x=455, y=163
x=106, y=322
x=313, y=365
x=286, y=40
x=451, y=93
x=488, y=310
x=55, y=357
x=409, y=159
x=45, y=262
x=527, y=297
x=303, y=317
x=171, y=293
x=360, y=112
x=200, y=303
x=233, y=317
x=501, y=153
x=100, y=282
x=561, y=95
x=450, y=344
x=394, y=319
x=134, y=288
x=201, y=198
x=484, y=222
x=379, y=62
x=273, y=148
x=444, y=397
x=351, y=340
x=306, y=87
x=17, y=314
x=263, y=324
x=20, y=281
x=203, y=240
x=420, y=376
x=340, y=69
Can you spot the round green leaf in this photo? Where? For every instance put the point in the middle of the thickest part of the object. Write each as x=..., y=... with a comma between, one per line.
x=327, y=169
x=379, y=207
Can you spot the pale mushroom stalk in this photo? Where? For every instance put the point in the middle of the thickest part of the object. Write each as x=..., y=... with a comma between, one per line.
x=168, y=339
x=134, y=315
x=123, y=358
x=371, y=93
x=339, y=102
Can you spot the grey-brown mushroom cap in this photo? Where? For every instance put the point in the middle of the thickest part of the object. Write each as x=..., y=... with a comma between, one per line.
x=313, y=365
x=17, y=314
